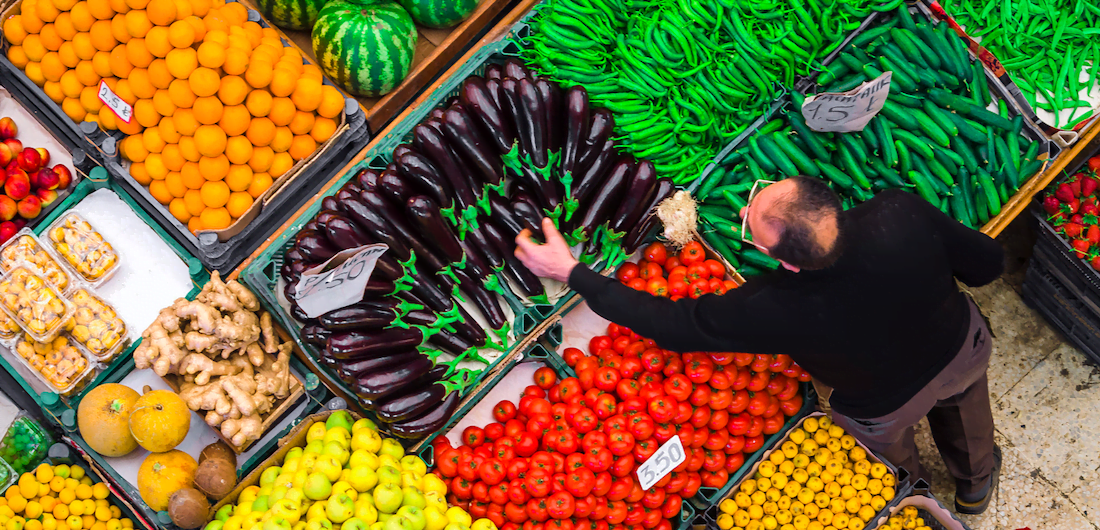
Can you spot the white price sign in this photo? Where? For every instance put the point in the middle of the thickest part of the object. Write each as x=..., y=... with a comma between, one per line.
x=847, y=111
x=338, y=282
x=667, y=457
x=122, y=109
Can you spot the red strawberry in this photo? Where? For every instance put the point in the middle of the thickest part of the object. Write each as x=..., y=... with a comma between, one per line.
x=1072, y=230
x=1058, y=219
x=1089, y=209
x=1072, y=205
x=1091, y=200
x=1064, y=192
x=1095, y=262
x=1077, y=218
x=1093, y=234
x=1088, y=186
x=1082, y=247
x=1075, y=185
x=1051, y=204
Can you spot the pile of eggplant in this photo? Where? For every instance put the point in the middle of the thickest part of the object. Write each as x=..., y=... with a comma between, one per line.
x=509, y=150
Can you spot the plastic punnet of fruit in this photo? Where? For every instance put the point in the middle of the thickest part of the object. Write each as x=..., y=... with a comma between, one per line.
x=34, y=303
x=60, y=497
x=96, y=325
x=93, y=258
x=59, y=361
x=348, y=477
x=25, y=247
x=25, y=444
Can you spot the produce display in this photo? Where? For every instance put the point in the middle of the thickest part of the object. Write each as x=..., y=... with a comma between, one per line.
x=346, y=476
x=661, y=272
x=83, y=248
x=1072, y=207
x=909, y=519
x=1045, y=46
x=30, y=183
x=33, y=303
x=96, y=326
x=60, y=362
x=934, y=136
x=818, y=473
x=61, y=497
x=223, y=355
x=220, y=108
x=27, y=248
x=24, y=445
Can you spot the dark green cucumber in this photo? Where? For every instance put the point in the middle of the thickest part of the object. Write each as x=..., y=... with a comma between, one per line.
x=888, y=174
x=941, y=117
x=855, y=169
x=777, y=156
x=752, y=256
x=941, y=172
x=880, y=127
x=1009, y=167
x=837, y=176
x=930, y=129
x=958, y=207
x=800, y=160
x=924, y=187
x=966, y=130
x=989, y=191
x=899, y=115
x=757, y=154
x=918, y=145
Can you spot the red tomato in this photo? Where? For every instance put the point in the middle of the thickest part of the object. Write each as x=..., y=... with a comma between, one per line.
x=493, y=431
x=773, y=424
x=791, y=406
x=701, y=417
x=698, y=288
x=598, y=459
x=537, y=482
x=627, y=271
x=776, y=384
x=677, y=287
x=714, y=460
x=701, y=395
x=447, y=462
x=653, y=360
x=739, y=424
x=754, y=443
x=756, y=428
x=718, y=420
x=716, y=286
x=580, y=482
x=561, y=505
x=620, y=488
x=692, y=253
x=538, y=509
x=534, y=391
x=759, y=381
x=616, y=512
x=678, y=386
x=631, y=366
x=730, y=285
x=761, y=362
x=739, y=402
x=721, y=399
x=697, y=271
x=526, y=444
x=741, y=359
x=479, y=509
x=715, y=267
x=662, y=409
x=592, y=362
x=607, y=378
x=491, y=471
x=600, y=342
x=504, y=411
x=758, y=403
x=641, y=426
x=720, y=379
x=515, y=513
x=679, y=271
x=672, y=262
x=627, y=389
x=635, y=349
x=545, y=377
x=716, y=479
x=650, y=271
x=663, y=432
x=462, y=488
x=473, y=436
x=623, y=466
x=656, y=253
x=692, y=486
x=638, y=284
x=673, y=366
x=643, y=449
x=570, y=389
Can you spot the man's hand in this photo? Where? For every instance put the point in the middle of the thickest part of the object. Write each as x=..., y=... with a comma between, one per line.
x=552, y=260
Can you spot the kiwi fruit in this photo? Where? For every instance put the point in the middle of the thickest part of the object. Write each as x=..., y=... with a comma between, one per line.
x=188, y=508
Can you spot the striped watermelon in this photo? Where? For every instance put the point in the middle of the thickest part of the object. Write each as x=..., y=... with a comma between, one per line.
x=439, y=13
x=364, y=46
x=291, y=14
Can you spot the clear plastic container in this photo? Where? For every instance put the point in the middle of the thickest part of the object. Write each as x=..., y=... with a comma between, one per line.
x=8, y=328
x=26, y=247
x=24, y=446
x=96, y=325
x=36, y=305
x=82, y=248
x=60, y=363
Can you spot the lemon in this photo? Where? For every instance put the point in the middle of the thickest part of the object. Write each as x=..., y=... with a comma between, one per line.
x=766, y=469
x=810, y=425
x=725, y=521
x=728, y=506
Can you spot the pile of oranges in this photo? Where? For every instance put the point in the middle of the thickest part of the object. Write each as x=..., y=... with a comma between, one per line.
x=220, y=107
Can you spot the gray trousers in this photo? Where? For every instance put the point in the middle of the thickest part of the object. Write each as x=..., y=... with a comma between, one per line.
x=956, y=403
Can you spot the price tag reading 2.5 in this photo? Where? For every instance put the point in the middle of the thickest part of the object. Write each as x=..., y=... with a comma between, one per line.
x=847, y=111
x=667, y=457
x=338, y=282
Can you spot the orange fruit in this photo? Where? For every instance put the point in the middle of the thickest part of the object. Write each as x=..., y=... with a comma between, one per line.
x=235, y=120
x=236, y=62
x=215, y=219
x=254, y=31
x=141, y=85
x=192, y=176
x=137, y=4
x=46, y=11
x=172, y=158
x=120, y=64
x=118, y=29
x=280, y=164
x=133, y=127
x=159, y=74
x=260, y=183
x=181, y=34
x=174, y=183
x=18, y=57
x=161, y=12
x=64, y=26
x=233, y=90
x=137, y=170
x=138, y=23
x=138, y=54
x=82, y=16
x=235, y=13
x=301, y=147
x=52, y=67
x=178, y=209
x=162, y=101
x=215, y=194
x=133, y=149
x=107, y=119
x=259, y=74
x=239, y=203
x=302, y=122
x=208, y=110
x=195, y=224
x=261, y=159
x=70, y=84
x=34, y=49
x=259, y=103
x=29, y=19
x=157, y=41
x=217, y=36
x=323, y=129
x=154, y=165
x=85, y=48
x=179, y=91
x=183, y=9
x=182, y=62
x=101, y=62
x=34, y=72
x=211, y=54
x=197, y=25
x=86, y=73
x=189, y=150
x=50, y=39
x=214, y=21
x=14, y=31
x=168, y=131
x=312, y=71
x=307, y=95
x=101, y=9
x=122, y=90
x=210, y=140
x=192, y=198
x=53, y=91
x=238, y=178
x=204, y=82
x=64, y=5
x=238, y=149
x=261, y=131
x=283, y=82
x=152, y=141
x=282, y=112
x=214, y=168
x=185, y=122
x=200, y=7
x=159, y=190
x=146, y=114
x=239, y=42
x=68, y=55
x=282, y=140
x=89, y=97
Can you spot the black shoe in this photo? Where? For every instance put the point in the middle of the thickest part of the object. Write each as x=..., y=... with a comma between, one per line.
x=978, y=505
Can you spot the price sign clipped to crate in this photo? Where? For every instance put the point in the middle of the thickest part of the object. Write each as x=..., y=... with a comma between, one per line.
x=667, y=457
x=847, y=111
x=325, y=288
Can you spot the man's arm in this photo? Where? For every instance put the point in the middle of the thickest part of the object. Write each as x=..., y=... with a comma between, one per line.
x=976, y=259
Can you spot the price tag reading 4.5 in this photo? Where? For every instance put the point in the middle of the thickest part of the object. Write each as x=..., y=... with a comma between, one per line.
x=338, y=282
x=667, y=457
x=847, y=111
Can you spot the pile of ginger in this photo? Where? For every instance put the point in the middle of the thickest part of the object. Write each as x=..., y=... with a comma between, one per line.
x=224, y=355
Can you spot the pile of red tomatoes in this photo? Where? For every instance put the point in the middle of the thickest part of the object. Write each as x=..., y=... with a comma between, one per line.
x=688, y=273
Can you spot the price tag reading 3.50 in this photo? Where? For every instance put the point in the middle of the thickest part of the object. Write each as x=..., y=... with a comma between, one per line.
x=338, y=282
x=667, y=457
x=847, y=111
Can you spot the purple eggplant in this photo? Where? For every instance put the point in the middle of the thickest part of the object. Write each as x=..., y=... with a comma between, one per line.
x=492, y=86
x=373, y=343
x=394, y=188
x=576, y=126
x=411, y=403
x=515, y=69
x=426, y=219
x=354, y=186
x=527, y=281
x=400, y=150
x=436, y=113
x=453, y=343
x=476, y=98
x=350, y=370
x=435, y=146
x=462, y=133
x=329, y=203
x=430, y=422
x=344, y=233
x=344, y=194
x=316, y=335
x=533, y=129
x=299, y=314
x=476, y=263
x=366, y=178
x=603, y=202
x=648, y=219
x=504, y=216
x=381, y=210
x=484, y=300
x=314, y=246
x=594, y=175
x=550, y=94
x=599, y=131
x=378, y=384
x=378, y=227
x=642, y=186
x=418, y=170
x=477, y=238
x=493, y=71
x=387, y=268
x=530, y=217
x=548, y=192
x=363, y=317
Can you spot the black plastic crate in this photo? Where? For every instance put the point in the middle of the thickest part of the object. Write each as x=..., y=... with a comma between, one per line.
x=1063, y=308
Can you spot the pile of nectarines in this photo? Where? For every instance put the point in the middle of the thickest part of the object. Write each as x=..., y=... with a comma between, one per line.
x=30, y=183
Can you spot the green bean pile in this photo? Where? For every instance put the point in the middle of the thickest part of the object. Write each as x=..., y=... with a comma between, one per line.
x=684, y=77
x=1044, y=45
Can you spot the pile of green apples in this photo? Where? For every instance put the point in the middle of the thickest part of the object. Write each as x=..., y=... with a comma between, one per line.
x=347, y=477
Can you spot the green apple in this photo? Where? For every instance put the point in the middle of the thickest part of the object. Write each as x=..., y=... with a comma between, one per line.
x=392, y=447
x=383, y=516
x=243, y=508
x=367, y=440
x=214, y=525
x=314, y=447
x=378, y=526
x=412, y=496
x=435, y=500
x=287, y=509
x=387, y=460
x=296, y=495
x=300, y=525
x=339, y=508
x=316, y=432
x=415, y=515
x=317, y=512
x=294, y=452
x=361, y=457
x=276, y=523
x=328, y=466
x=319, y=524
x=277, y=494
x=365, y=510
x=317, y=487
x=363, y=478
x=399, y=522
x=338, y=434
x=457, y=526
x=431, y=482
x=483, y=524
x=389, y=475
x=387, y=497
x=435, y=519
x=355, y=523
x=338, y=451
x=408, y=478
x=456, y=514
x=307, y=462
x=265, y=490
x=269, y=475
x=224, y=513
x=260, y=504
x=340, y=418
x=415, y=464
x=363, y=424
x=343, y=488
x=299, y=478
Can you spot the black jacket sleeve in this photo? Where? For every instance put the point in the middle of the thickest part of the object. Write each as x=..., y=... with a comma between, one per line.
x=976, y=259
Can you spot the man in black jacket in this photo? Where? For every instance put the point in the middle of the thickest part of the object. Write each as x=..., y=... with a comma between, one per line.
x=867, y=304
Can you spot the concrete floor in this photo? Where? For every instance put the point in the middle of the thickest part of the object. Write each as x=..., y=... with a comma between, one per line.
x=1046, y=400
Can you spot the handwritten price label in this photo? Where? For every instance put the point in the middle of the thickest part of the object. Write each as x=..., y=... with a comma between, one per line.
x=847, y=111
x=667, y=457
x=122, y=109
x=338, y=282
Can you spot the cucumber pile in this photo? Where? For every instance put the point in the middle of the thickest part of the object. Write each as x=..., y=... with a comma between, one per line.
x=934, y=137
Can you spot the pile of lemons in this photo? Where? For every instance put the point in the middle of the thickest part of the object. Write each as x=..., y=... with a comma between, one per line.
x=220, y=107
x=908, y=519
x=818, y=479
x=59, y=497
